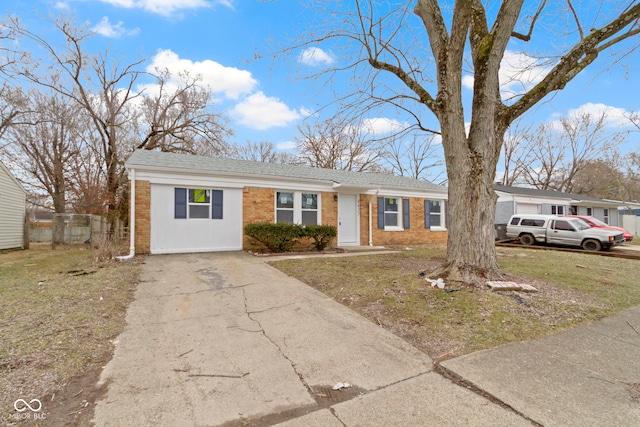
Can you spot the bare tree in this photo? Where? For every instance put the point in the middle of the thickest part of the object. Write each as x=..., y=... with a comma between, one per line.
x=101, y=87
x=558, y=151
x=391, y=66
x=43, y=144
x=13, y=104
x=335, y=144
x=179, y=118
x=514, y=151
x=262, y=151
x=412, y=155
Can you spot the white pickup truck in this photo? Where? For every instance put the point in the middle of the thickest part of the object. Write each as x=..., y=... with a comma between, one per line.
x=532, y=229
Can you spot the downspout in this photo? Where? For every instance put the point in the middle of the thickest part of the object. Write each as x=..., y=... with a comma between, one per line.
x=371, y=217
x=370, y=225
x=132, y=219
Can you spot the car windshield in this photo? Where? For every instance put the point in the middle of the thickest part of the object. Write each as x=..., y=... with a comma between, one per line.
x=579, y=224
x=597, y=222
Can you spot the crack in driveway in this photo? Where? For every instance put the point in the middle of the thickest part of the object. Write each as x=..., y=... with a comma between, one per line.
x=291, y=362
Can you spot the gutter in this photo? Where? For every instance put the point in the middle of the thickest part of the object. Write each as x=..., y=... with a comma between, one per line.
x=132, y=219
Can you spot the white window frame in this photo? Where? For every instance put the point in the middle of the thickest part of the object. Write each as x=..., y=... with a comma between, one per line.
x=399, y=212
x=589, y=211
x=441, y=214
x=297, y=205
x=606, y=216
x=557, y=209
x=201, y=204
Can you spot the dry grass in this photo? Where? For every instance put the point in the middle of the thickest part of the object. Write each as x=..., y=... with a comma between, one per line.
x=58, y=312
x=387, y=289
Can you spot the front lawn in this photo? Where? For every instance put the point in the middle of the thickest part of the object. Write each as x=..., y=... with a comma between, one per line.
x=573, y=289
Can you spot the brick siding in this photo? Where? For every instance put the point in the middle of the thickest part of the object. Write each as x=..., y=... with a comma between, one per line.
x=143, y=217
x=416, y=235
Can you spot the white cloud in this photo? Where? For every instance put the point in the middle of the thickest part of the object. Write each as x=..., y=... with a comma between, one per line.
x=382, y=125
x=107, y=29
x=259, y=111
x=286, y=145
x=615, y=116
x=230, y=81
x=167, y=7
x=519, y=72
x=315, y=56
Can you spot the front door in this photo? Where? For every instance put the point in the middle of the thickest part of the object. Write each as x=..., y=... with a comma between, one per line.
x=347, y=219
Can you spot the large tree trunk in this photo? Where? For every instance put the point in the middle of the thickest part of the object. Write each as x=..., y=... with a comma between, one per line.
x=471, y=253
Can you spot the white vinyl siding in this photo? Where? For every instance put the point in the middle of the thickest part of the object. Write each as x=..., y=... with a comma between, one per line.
x=12, y=211
x=179, y=235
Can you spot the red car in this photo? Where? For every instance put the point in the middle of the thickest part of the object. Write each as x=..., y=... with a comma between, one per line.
x=595, y=222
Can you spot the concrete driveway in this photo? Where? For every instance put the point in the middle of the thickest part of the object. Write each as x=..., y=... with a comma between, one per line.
x=225, y=339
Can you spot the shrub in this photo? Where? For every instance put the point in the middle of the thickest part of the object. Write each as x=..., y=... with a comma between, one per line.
x=276, y=237
x=322, y=235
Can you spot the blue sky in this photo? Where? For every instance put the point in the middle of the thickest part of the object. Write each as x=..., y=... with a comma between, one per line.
x=220, y=39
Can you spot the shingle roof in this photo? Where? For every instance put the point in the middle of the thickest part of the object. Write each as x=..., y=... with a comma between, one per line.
x=155, y=159
x=547, y=193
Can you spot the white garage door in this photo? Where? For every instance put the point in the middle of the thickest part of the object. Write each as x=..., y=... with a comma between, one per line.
x=528, y=208
x=189, y=219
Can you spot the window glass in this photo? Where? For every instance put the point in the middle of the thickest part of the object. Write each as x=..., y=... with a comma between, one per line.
x=199, y=202
x=563, y=225
x=285, y=216
x=199, y=196
x=557, y=210
x=309, y=201
x=198, y=211
x=514, y=220
x=294, y=207
x=309, y=217
x=391, y=212
x=284, y=200
x=391, y=205
x=435, y=213
x=532, y=222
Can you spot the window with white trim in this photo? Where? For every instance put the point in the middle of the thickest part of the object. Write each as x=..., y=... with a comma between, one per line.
x=435, y=213
x=294, y=207
x=606, y=216
x=557, y=210
x=392, y=212
x=589, y=211
x=198, y=203
x=309, y=208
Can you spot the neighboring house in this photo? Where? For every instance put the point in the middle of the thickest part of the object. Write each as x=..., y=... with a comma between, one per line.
x=12, y=210
x=186, y=203
x=520, y=200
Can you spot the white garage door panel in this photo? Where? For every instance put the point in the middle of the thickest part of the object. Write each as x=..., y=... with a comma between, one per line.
x=170, y=235
x=528, y=208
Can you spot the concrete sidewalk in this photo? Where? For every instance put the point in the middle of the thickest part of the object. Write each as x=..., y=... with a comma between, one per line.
x=224, y=339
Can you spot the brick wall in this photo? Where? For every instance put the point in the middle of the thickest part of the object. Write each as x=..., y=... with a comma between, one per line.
x=257, y=206
x=143, y=217
x=416, y=235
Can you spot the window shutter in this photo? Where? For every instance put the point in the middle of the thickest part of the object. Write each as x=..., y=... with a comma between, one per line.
x=427, y=217
x=380, y=212
x=446, y=214
x=406, y=217
x=216, y=204
x=180, y=203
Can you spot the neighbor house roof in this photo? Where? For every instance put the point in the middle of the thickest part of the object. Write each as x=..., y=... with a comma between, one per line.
x=534, y=192
x=145, y=159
